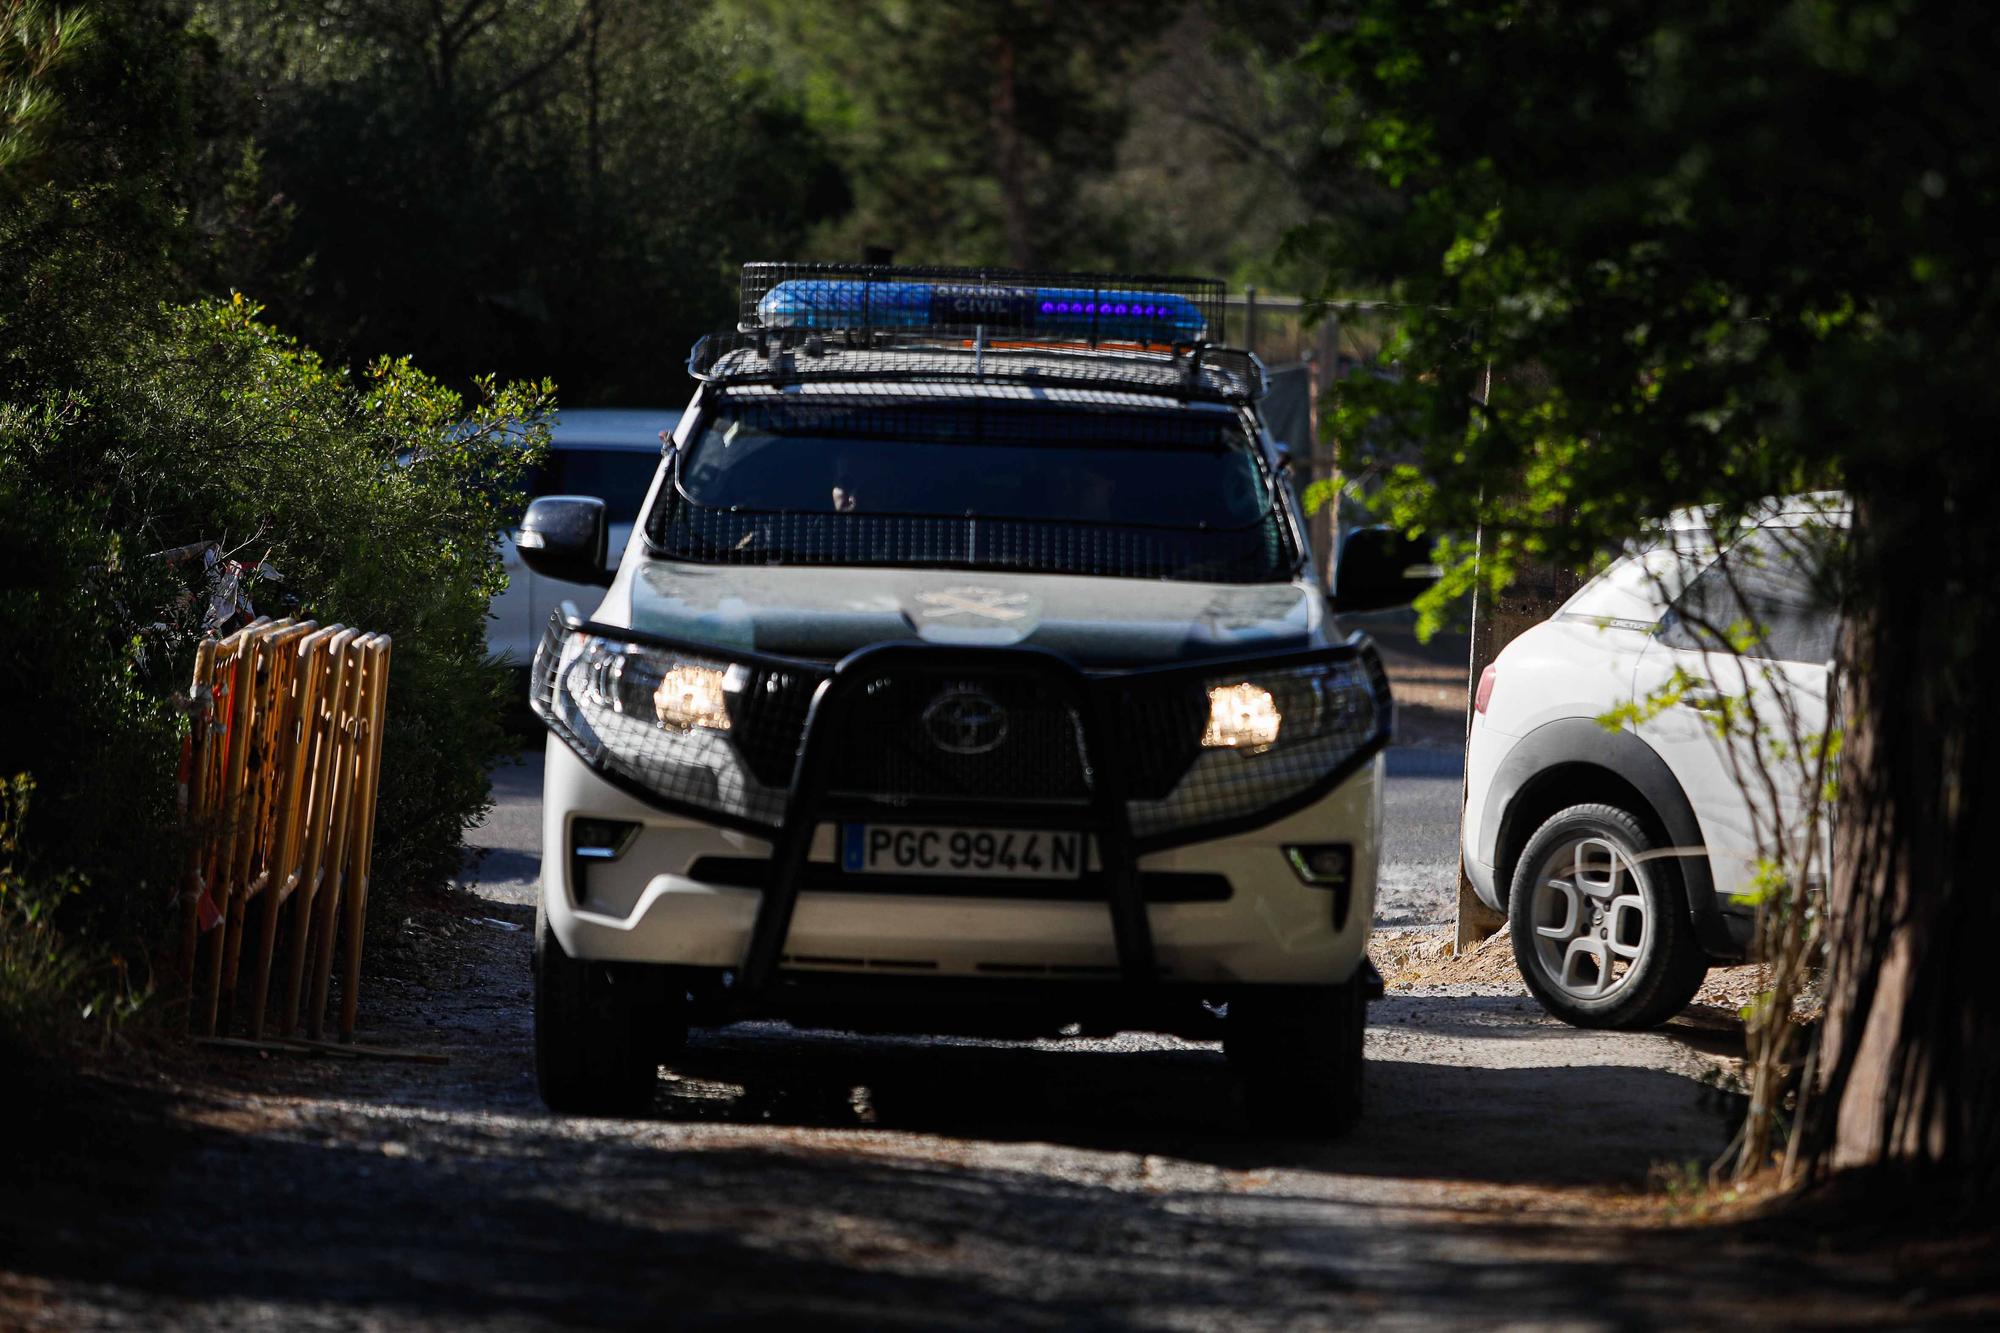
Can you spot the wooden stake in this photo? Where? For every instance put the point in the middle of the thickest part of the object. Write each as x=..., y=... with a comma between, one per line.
x=369, y=774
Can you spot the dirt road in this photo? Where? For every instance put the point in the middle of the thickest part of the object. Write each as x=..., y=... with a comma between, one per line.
x=1500, y=1177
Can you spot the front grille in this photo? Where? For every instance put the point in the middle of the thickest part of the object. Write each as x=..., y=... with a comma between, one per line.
x=918, y=736
x=885, y=749
x=1155, y=886
x=1159, y=728
x=767, y=721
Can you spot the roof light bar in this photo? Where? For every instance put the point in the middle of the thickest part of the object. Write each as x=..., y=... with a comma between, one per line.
x=1068, y=312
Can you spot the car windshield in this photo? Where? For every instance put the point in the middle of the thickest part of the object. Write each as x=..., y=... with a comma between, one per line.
x=1066, y=488
x=1168, y=469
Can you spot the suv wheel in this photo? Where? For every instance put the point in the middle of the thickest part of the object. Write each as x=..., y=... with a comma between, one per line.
x=596, y=1043
x=1602, y=933
x=1298, y=1052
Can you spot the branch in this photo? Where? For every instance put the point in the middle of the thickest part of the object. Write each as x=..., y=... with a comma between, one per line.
x=534, y=73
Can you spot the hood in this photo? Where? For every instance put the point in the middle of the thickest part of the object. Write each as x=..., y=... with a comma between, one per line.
x=829, y=612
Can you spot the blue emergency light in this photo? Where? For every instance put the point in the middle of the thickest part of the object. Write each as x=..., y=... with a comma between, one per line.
x=1064, y=312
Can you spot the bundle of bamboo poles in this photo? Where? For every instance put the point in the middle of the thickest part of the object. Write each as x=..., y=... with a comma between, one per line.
x=278, y=789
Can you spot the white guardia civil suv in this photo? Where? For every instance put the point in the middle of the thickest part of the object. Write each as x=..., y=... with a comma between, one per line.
x=1624, y=854
x=967, y=672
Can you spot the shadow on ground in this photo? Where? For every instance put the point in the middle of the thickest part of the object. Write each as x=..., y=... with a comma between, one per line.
x=545, y=1221
x=1561, y=1125
x=856, y=1182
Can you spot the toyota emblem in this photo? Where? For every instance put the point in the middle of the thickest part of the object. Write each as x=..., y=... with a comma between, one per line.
x=964, y=720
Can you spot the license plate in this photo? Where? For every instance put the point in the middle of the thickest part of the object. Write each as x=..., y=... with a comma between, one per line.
x=904, y=849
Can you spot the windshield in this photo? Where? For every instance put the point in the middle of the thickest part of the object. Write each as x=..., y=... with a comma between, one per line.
x=1168, y=469
x=1066, y=488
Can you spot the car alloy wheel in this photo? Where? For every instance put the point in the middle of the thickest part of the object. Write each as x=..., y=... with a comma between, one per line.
x=1591, y=921
x=1600, y=923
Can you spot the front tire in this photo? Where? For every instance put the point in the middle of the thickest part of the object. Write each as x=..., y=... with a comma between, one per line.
x=1298, y=1050
x=596, y=1052
x=1601, y=931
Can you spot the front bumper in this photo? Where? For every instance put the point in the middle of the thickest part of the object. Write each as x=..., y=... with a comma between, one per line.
x=646, y=907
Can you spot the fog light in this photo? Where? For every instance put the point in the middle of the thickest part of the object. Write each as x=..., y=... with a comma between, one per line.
x=1241, y=717
x=1323, y=864
x=601, y=839
x=595, y=842
x=692, y=696
x=1329, y=866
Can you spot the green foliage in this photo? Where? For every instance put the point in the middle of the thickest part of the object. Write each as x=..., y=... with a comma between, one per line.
x=134, y=420
x=35, y=40
x=55, y=992
x=527, y=189
x=377, y=497
x=972, y=132
x=1682, y=243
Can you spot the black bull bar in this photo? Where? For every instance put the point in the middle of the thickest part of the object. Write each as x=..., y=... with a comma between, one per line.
x=1093, y=695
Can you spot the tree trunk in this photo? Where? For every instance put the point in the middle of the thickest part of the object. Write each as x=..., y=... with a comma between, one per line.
x=1007, y=165
x=593, y=139
x=1909, y=1062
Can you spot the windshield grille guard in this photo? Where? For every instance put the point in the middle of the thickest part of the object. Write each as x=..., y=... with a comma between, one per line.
x=1112, y=710
x=1264, y=548
x=1263, y=552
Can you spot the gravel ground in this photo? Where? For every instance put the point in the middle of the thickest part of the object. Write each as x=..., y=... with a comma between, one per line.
x=1509, y=1170
x=1501, y=1176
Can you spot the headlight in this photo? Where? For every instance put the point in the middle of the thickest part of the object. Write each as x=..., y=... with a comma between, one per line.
x=693, y=696
x=655, y=717
x=1268, y=736
x=637, y=682
x=1240, y=717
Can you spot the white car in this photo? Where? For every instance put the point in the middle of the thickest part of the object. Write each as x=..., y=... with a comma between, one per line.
x=611, y=453
x=1624, y=848
x=968, y=672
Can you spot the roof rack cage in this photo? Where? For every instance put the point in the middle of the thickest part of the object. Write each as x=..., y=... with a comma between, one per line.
x=995, y=304
x=781, y=358
x=866, y=324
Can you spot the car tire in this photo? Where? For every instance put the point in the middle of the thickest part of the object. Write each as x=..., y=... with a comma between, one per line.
x=596, y=1040
x=1298, y=1052
x=1601, y=932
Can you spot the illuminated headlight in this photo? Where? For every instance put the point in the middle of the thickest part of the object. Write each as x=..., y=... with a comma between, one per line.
x=692, y=696
x=634, y=682
x=1267, y=735
x=1241, y=717
x=657, y=717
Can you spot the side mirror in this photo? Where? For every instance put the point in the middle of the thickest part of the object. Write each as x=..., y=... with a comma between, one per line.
x=1380, y=567
x=563, y=537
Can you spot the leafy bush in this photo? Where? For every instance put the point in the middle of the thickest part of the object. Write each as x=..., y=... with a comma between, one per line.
x=134, y=421
x=54, y=991
x=379, y=500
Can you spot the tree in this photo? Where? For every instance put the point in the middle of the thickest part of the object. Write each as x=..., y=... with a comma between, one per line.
x=135, y=419
x=971, y=131
x=548, y=187
x=1715, y=253
x=35, y=41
